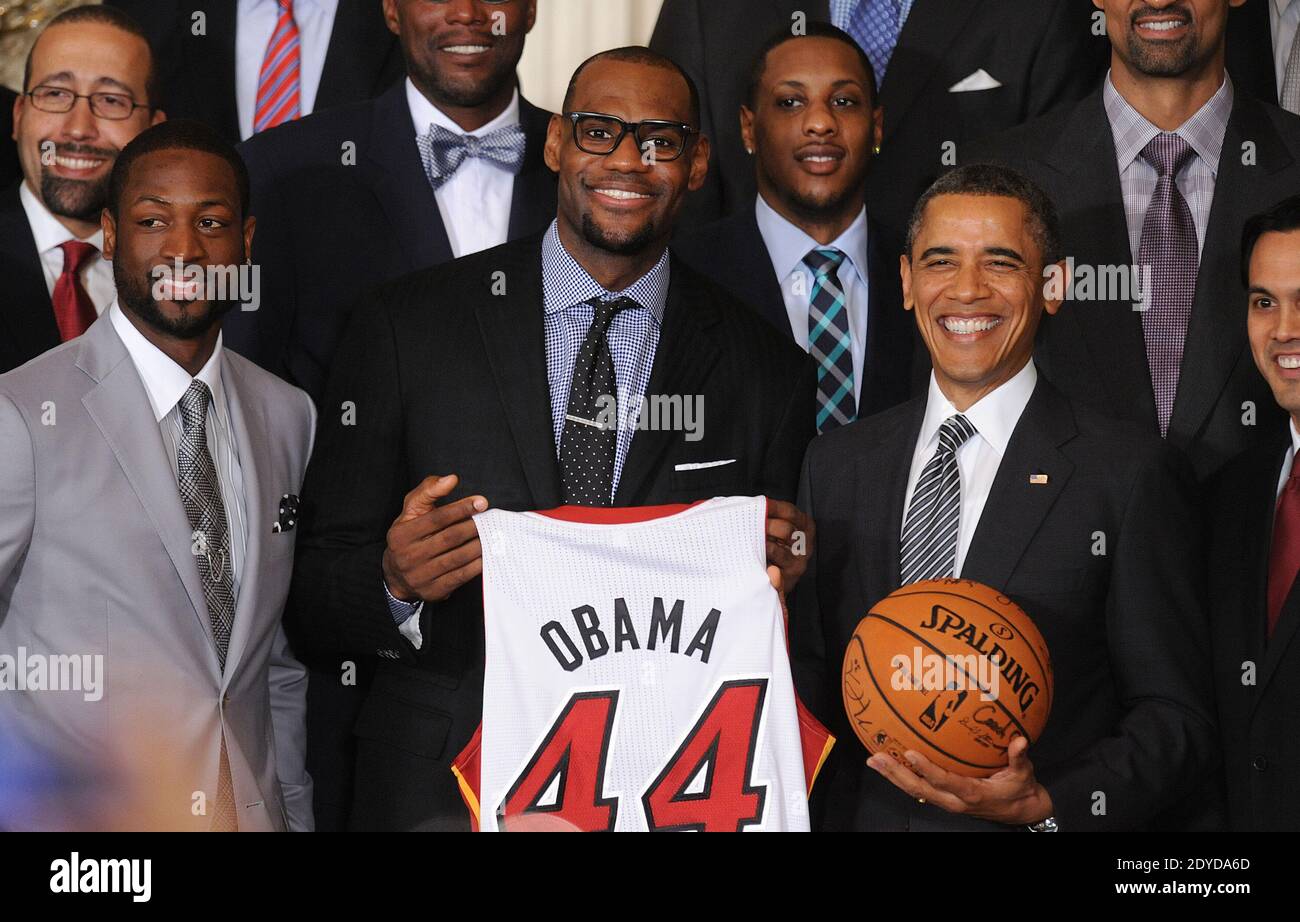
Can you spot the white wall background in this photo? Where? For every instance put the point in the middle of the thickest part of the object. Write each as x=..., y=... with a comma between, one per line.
x=568, y=32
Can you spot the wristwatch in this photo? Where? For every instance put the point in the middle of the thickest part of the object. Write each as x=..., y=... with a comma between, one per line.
x=1047, y=825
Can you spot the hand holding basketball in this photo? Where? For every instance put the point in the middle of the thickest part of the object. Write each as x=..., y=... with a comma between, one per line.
x=1010, y=795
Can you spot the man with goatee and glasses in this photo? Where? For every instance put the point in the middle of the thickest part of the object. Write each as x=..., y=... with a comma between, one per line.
x=89, y=88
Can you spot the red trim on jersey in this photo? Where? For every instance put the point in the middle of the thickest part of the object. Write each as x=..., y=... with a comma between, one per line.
x=615, y=515
x=467, y=768
x=816, y=741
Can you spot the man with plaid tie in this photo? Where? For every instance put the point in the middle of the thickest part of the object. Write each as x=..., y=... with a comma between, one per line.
x=993, y=475
x=806, y=254
x=1254, y=524
x=148, y=518
x=90, y=87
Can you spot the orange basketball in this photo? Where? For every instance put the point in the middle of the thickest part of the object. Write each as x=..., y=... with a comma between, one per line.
x=951, y=669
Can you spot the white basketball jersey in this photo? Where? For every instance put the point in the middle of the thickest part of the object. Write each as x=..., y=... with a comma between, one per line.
x=637, y=675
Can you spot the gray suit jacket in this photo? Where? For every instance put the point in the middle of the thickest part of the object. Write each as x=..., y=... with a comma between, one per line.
x=95, y=559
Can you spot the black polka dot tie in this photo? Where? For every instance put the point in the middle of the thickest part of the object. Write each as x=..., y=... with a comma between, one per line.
x=590, y=438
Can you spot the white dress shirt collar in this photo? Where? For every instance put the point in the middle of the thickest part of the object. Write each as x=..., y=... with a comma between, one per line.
x=1281, y=6
x=47, y=230
x=994, y=415
x=788, y=244
x=425, y=113
x=164, y=380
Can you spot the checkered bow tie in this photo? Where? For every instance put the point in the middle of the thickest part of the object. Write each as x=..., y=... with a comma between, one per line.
x=444, y=151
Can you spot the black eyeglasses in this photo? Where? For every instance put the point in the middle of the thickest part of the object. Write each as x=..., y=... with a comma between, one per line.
x=595, y=133
x=58, y=100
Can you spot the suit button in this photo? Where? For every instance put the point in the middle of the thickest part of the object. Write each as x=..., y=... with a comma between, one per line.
x=1259, y=763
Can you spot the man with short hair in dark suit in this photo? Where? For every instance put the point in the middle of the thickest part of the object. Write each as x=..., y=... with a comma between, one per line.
x=223, y=61
x=995, y=476
x=445, y=163
x=1154, y=175
x=805, y=253
x=1254, y=523
x=948, y=73
x=89, y=87
x=482, y=382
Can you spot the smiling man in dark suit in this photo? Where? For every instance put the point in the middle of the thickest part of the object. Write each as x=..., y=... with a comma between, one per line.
x=444, y=164
x=90, y=88
x=948, y=73
x=339, y=52
x=1254, y=521
x=997, y=477
x=475, y=383
x=806, y=254
x=1177, y=362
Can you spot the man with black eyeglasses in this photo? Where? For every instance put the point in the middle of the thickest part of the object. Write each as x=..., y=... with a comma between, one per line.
x=528, y=376
x=88, y=89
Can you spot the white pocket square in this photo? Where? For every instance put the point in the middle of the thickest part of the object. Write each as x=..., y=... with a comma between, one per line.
x=980, y=80
x=701, y=465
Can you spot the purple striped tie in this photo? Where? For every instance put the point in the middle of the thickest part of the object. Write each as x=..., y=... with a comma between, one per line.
x=278, y=98
x=1168, y=246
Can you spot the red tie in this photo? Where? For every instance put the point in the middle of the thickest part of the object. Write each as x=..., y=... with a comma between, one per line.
x=74, y=312
x=1284, y=556
x=278, y=99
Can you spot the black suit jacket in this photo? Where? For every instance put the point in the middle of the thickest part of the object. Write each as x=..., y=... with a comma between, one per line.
x=449, y=377
x=1258, y=679
x=27, y=326
x=1095, y=350
x=1132, y=715
x=1041, y=51
x=732, y=253
x=198, y=71
x=329, y=231
x=10, y=169
x=1249, y=54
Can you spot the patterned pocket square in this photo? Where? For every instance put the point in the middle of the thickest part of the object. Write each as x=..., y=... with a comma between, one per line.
x=288, y=519
x=980, y=80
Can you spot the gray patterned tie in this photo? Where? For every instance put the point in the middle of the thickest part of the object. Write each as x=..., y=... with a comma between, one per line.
x=929, y=547
x=1289, y=98
x=201, y=497
x=1168, y=246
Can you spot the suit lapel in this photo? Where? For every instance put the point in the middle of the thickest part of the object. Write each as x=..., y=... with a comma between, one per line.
x=1092, y=209
x=28, y=315
x=1216, y=333
x=755, y=279
x=1016, y=507
x=1250, y=614
x=515, y=341
x=879, y=488
x=209, y=64
x=683, y=361
x=532, y=201
x=120, y=408
x=396, y=175
x=249, y=427
x=359, y=47
x=932, y=26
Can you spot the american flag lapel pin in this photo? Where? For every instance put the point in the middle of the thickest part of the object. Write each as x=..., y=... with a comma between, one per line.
x=1038, y=478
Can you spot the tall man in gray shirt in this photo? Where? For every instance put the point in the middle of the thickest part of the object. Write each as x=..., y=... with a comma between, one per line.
x=1154, y=175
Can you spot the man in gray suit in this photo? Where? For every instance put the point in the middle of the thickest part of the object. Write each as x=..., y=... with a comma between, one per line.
x=147, y=524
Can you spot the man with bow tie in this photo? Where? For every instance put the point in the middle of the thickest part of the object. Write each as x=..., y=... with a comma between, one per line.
x=446, y=163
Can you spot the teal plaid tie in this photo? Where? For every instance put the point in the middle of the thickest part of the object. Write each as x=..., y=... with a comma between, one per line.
x=829, y=342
